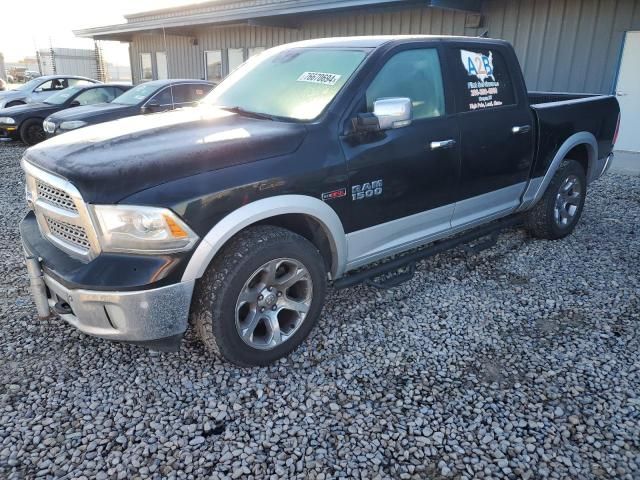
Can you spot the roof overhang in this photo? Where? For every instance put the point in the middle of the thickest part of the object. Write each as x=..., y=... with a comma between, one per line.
x=280, y=14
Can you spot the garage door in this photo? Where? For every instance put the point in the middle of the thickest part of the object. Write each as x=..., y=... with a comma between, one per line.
x=628, y=93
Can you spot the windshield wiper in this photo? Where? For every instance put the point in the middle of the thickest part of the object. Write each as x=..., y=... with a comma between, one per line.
x=248, y=113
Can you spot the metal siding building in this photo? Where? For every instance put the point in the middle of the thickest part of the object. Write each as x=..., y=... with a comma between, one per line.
x=563, y=45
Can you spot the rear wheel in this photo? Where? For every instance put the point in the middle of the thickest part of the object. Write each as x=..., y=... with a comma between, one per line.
x=559, y=210
x=31, y=131
x=260, y=297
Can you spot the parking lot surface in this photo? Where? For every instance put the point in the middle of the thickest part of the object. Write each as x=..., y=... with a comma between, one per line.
x=520, y=362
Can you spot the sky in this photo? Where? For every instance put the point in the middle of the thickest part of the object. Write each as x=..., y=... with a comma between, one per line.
x=30, y=24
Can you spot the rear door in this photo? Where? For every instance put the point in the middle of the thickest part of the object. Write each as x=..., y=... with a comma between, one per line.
x=402, y=181
x=496, y=130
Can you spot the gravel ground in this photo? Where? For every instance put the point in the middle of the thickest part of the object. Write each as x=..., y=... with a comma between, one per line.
x=521, y=362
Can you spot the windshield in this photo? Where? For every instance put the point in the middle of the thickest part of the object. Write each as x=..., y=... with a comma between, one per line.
x=136, y=94
x=297, y=83
x=30, y=85
x=62, y=96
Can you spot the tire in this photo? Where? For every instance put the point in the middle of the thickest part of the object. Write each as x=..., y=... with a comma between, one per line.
x=220, y=314
x=14, y=103
x=557, y=213
x=31, y=131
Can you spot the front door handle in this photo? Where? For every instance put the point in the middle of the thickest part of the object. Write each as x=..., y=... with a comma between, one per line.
x=521, y=129
x=442, y=144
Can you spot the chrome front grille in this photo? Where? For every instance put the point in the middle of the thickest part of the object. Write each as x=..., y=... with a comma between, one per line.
x=63, y=217
x=70, y=233
x=55, y=196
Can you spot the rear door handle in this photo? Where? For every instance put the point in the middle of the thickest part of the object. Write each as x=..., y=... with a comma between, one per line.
x=442, y=144
x=521, y=129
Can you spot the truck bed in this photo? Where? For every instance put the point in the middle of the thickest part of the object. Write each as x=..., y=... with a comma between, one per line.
x=560, y=115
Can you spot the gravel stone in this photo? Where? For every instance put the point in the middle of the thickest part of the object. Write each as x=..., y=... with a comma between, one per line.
x=520, y=362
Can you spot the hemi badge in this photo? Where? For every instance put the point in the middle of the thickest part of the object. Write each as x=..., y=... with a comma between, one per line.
x=335, y=194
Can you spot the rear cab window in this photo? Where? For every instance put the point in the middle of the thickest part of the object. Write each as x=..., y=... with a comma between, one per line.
x=481, y=78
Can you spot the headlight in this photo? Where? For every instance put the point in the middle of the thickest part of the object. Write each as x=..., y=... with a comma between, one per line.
x=48, y=126
x=135, y=229
x=7, y=120
x=72, y=125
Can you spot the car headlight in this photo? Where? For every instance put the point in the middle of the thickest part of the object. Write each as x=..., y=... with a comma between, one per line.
x=136, y=229
x=48, y=126
x=72, y=125
x=7, y=120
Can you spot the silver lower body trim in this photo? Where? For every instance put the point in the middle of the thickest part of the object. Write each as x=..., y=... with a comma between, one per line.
x=135, y=316
x=380, y=241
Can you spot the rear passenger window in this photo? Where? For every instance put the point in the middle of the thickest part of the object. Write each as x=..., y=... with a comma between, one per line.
x=187, y=94
x=481, y=79
x=414, y=74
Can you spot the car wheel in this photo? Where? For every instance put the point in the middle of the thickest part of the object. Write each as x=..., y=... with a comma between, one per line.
x=31, y=132
x=14, y=103
x=558, y=211
x=260, y=297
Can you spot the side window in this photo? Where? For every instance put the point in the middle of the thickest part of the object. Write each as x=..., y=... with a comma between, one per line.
x=163, y=97
x=53, y=85
x=93, y=96
x=414, y=74
x=44, y=87
x=146, y=70
x=188, y=94
x=481, y=79
x=73, y=82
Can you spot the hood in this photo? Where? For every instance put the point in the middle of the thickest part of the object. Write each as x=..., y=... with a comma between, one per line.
x=113, y=160
x=89, y=113
x=11, y=95
x=28, y=109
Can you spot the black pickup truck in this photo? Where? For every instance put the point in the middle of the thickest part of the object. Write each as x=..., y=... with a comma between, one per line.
x=307, y=165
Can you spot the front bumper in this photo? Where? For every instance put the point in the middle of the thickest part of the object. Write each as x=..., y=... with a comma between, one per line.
x=155, y=317
x=8, y=130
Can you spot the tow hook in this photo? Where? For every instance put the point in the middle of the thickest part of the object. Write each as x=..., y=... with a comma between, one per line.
x=38, y=287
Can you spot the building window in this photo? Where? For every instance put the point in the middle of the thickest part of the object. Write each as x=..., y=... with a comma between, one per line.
x=161, y=65
x=236, y=57
x=252, y=51
x=146, y=70
x=213, y=65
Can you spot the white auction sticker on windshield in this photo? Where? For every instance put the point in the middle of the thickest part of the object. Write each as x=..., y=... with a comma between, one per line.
x=319, y=77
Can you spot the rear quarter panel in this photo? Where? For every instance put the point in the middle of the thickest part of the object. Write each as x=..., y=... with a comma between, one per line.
x=557, y=121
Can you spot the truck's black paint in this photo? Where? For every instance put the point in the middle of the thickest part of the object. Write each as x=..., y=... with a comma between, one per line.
x=205, y=163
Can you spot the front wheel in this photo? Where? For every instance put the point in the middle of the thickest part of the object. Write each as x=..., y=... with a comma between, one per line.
x=260, y=297
x=31, y=131
x=558, y=211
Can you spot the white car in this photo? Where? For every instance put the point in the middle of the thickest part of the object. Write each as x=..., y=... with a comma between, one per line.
x=39, y=89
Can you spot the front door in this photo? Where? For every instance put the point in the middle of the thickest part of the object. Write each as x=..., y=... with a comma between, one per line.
x=402, y=181
x=496, y=132
x=628, y=93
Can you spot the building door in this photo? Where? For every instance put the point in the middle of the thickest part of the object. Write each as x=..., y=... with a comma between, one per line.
x=628, y=93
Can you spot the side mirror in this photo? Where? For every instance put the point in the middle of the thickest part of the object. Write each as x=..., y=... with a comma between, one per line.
x=393, y=112
x=152, y=106
x=75, y=103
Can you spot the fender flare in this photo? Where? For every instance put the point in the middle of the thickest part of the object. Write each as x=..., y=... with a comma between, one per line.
x=536, y=187
x=263, y=209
